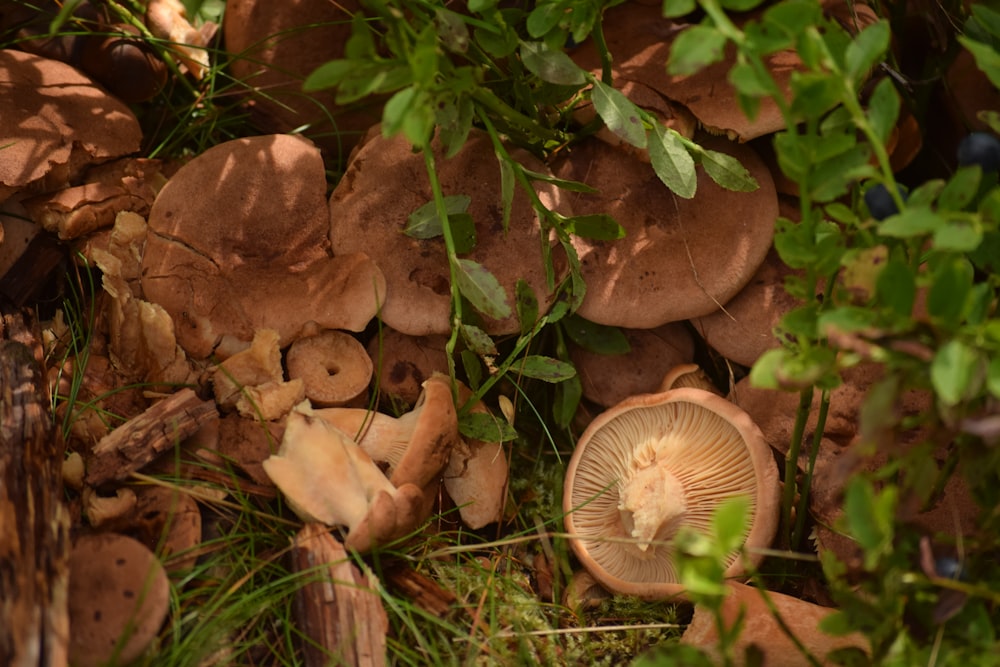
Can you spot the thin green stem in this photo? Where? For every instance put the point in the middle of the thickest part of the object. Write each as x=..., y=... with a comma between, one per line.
x=791, y=462
x=803, y=507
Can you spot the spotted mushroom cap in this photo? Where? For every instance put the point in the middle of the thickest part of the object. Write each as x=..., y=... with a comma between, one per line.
x=656, y=463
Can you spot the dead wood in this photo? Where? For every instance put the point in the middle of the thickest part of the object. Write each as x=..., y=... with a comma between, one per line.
x=34, y=523
x=141, y=439
x=339, y=610
x=420, y=590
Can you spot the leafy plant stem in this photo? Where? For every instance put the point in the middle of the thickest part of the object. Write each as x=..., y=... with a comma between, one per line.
x=449, y=243
x=597, y=34
x=803, y=506
x=791, y=462
x=488, y=100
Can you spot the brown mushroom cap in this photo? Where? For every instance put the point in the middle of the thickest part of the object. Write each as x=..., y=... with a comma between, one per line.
x=334, y=366
x=655, y=463
x=275, y=47
x=669, y=266
x=404, y=362
x=118, y=596
x=608, y=379
x=55, y=121
x=237, y=242
x=386, y=181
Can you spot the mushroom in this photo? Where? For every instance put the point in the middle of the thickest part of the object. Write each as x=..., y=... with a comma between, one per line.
x=760, y=627
x=608, y=379
x=238, y=242
x=333, y=366
x=274, y=47
x=416, y=446
x=653, y=464
x=402, y=363
x=253, y=382
x=668, y=266
x=327, y=478
x=368, y=216
x=55, y=121
x=118, y=598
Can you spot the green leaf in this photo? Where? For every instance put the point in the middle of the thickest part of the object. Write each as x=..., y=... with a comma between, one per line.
x=485, y=427
x=987, y=58
x=740, y=5
x=599, y=226
x=912, y=221
x=958, y=236
x=454, y=123
x=675, y=8
x=544, y=368
x=566, y=401
x=328, y=75
x=478, y=340
x=481, y=288
x=544, y=17
x=961, y=188
x=694, y=48
x=814, y=93
x=869, y=47
x=950, y=285
x=896, y=286
x=956, y=372
x=883, y=109
x=730, y=523
x=424, y=223
x=672, y=162
x=597, y=338
x=527, y=306
x=619, y=113
x=473, y=367
x=396, y=109
x=572, y=186
x=361, y=44
x=452, y=30
x=551, y=66
x=507, y=181
x=463, y=232
x=993, y=377
x=870, y=518
x=727, y=171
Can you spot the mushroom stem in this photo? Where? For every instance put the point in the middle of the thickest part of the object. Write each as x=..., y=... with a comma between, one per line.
x=651, y=503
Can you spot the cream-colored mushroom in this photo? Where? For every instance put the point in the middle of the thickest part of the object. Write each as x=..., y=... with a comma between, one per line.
x=655, y=463
x=327, y=478
x=252, y=380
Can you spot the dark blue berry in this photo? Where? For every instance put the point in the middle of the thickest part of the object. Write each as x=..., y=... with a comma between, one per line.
x=948, y=567
x=980, y=148
x=880, y=203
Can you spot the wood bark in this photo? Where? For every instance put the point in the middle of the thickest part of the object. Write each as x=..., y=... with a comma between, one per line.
x=141, y=439
x=339, y=610
x=34, y=522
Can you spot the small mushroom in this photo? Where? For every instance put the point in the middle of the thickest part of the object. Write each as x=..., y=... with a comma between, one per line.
x=608, y=379
x=760, y=627
x=238, y=242
x=403, y=362
x=333, y=366
x=668, y=267
x=252, y=380
x=118, y=598
x=327, y=478
x=657, y=462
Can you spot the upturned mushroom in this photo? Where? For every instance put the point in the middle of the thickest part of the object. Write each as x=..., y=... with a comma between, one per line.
x=327, y=478
x=238, y=242
x=653, y=464
x=368, y=216
x=668, y=266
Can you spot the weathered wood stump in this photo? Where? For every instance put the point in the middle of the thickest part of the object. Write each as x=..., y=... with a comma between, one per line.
x=34, y=523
